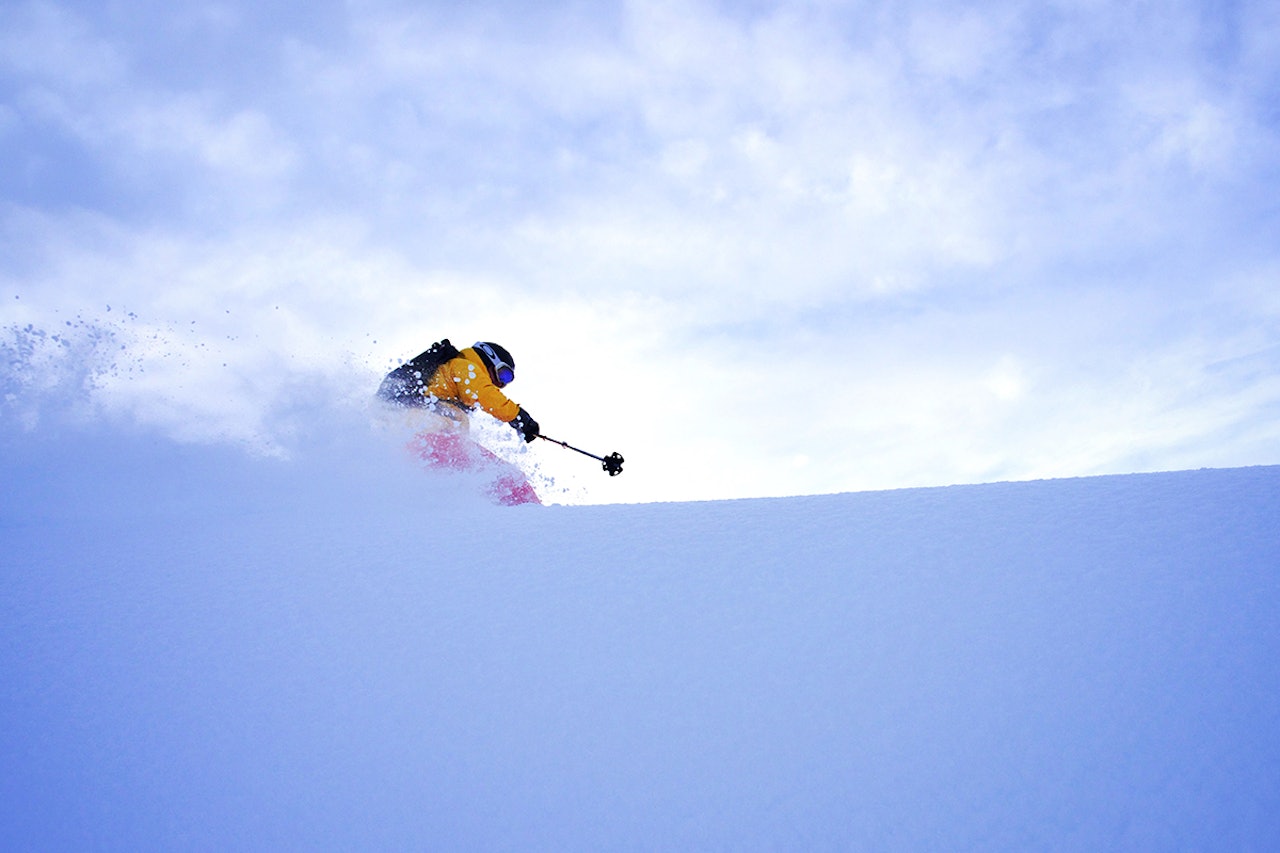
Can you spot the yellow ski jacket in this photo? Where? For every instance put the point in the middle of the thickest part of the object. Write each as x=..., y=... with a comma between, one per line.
x=465, y=381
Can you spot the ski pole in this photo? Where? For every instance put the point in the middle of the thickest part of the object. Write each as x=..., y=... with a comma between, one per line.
x=612, y=462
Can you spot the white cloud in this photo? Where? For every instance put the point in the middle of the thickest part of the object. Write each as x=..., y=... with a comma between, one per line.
x=240, y=145
x=959, y=44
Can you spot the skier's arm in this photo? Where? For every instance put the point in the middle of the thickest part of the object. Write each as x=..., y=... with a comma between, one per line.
x=487, y=396
x=493, y=401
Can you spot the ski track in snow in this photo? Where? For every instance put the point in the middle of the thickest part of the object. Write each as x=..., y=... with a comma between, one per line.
x=203, y=649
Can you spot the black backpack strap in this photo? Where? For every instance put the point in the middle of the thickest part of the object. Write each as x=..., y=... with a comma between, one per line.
x=407, y=384
x=429, y=361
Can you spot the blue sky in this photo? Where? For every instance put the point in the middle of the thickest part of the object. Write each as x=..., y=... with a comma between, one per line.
x=760, y=248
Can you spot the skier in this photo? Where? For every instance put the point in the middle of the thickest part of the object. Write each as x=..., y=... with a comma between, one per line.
x=462, y=380
x=441, y=387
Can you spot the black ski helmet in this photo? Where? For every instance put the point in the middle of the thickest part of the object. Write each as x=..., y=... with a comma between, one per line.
x=502, y=367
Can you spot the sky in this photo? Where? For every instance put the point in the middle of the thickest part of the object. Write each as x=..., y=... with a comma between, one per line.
x=758, y=248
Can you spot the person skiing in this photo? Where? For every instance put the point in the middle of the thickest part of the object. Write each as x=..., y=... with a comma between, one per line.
x=452, y=382
x=440, y=387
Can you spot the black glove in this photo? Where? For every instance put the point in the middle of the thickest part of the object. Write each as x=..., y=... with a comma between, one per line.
x=526, y=425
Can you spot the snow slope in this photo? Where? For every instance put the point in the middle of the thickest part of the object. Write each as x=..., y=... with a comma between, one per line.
x=205, y=650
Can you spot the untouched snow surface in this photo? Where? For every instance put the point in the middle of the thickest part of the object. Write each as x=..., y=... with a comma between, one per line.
x=203, y=650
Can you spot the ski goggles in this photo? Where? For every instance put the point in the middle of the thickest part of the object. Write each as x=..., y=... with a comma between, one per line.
x=502, y=371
